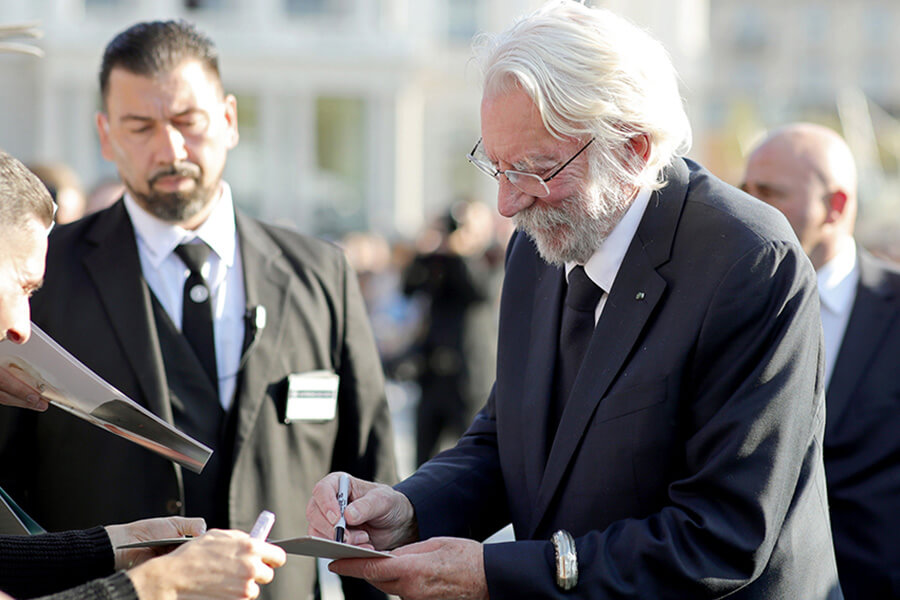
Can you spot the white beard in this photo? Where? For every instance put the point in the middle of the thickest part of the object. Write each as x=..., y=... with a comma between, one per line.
x=572, y=230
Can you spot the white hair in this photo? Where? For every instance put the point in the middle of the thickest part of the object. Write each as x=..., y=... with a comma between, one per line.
x=593, y=73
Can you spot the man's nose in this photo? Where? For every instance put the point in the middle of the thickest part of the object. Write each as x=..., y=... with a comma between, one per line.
x=170, y=145
x=510, y=199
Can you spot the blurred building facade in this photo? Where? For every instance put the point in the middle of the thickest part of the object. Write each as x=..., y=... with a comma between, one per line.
x=834, y=62
x=357, y=114
x=353, y=114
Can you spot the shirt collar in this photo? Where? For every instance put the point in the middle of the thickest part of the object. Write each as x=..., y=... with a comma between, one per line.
x=160, y=237
x=838, y=277
x=603, y=266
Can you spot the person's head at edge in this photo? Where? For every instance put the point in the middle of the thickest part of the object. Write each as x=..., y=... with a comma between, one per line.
x=808, y=173
x=166, y=122
x=557, y=79
x=26, y=213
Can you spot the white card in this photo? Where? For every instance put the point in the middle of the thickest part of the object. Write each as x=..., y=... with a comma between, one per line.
x=312, y=396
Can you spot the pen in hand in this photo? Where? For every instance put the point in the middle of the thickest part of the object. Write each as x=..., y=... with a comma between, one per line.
x=343, y=494
x=263, y=525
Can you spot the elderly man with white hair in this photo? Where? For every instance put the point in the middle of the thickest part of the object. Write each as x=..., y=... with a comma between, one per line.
x=655, y=427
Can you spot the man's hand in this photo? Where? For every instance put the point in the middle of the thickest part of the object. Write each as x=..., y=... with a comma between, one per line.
x=147, y=530
x=377, y=515
x=439, y=568
x=14, y=392
x=219, y=564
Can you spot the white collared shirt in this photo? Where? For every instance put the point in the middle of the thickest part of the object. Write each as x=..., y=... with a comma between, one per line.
x=603, y=265
x=837, y=281
x=165, y=273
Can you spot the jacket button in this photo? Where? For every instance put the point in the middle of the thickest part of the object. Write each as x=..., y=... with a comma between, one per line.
x=173, y=507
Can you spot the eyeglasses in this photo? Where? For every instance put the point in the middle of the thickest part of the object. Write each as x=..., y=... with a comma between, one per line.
x=527, y=183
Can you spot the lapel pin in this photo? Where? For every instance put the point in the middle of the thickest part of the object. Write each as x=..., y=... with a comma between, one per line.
x=639, y=296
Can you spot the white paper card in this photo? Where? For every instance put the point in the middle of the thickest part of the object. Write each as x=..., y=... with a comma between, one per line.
x=312, y=396
x=322, y=548
x=66, y=383
x=305, y=546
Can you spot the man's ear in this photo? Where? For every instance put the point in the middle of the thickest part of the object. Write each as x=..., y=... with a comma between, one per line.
x=102, y=121
x=231, y=121
x=640, y=145
x=836, y=203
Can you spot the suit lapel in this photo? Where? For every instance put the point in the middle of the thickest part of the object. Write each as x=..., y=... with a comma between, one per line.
x=266, y=280
x=873, y=311
x=126, y=300
x=539, y=367
x=637, y=290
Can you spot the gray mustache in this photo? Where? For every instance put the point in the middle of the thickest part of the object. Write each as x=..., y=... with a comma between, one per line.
x=180, y=170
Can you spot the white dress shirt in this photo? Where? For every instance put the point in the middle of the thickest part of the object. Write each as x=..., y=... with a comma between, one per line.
x=165, y=273
x=603, y=265
x=837, y=280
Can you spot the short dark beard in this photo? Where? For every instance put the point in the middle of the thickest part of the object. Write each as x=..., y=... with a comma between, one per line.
x=176, y=207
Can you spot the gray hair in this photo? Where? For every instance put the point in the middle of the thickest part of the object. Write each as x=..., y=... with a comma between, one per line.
x=22, y=195
x=593, y=73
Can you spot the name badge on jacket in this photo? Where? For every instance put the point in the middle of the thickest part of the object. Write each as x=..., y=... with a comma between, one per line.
x=312, y=396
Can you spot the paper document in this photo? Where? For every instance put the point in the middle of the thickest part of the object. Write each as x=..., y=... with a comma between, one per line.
x=322, y=548
x=68, y=384
x=14, y=520
x=305, y=546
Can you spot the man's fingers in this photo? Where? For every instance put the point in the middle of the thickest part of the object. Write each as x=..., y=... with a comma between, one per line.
x=13, y=392
x=273, y=556
x=193, y=526
x=373, y=570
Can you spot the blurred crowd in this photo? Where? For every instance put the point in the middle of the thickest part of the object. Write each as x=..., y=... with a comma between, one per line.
x=432, y=303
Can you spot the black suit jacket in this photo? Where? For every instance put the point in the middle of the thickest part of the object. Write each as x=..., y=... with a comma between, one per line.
x=688, y=461
x=68, y=474
x=862, y=438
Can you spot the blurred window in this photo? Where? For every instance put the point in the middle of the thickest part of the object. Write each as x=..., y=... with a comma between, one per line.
x=244, y=167
x=816, y=19
x=463, y=19
x=341, y=158
x=750, y=29
x=100, y=4
x=206, y=4
x=878, y=25
x=317, y=8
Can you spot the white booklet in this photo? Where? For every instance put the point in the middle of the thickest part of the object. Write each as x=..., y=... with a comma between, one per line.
x=68, y=384
x=305, y=546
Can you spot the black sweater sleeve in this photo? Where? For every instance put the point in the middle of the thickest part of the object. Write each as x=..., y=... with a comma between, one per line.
x=114, y=587
x=44, y=564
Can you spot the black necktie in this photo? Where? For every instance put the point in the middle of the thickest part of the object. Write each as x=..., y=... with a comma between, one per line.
x=196, y=315
x=576, y=328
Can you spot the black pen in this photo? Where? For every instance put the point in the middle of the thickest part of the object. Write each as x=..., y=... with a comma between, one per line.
x=343, y=493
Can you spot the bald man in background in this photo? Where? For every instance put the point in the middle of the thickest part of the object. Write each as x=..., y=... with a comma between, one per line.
x=808, y=173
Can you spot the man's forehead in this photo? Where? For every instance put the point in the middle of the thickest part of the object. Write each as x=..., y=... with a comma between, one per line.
x=179, y=88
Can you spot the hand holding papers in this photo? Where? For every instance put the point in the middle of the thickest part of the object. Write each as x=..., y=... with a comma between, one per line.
x=63, y=381
x=305, y=546
x=133, y=542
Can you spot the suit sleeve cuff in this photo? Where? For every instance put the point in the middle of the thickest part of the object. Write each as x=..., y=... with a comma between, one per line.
x=525, y=569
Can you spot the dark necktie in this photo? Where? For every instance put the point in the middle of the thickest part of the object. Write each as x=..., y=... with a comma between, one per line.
x=576, y=328
x=196, y=315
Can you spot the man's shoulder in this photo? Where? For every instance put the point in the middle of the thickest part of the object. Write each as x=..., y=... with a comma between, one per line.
x=65, y=240
x=725, y=210
x=879, y=275
x=301, y=250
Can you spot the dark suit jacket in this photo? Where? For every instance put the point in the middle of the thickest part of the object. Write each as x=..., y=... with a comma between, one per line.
x=68, y=474
x=862, y=438
x=688, y=461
